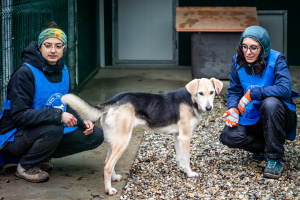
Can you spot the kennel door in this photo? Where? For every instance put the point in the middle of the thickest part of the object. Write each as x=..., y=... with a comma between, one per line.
x=144, y=32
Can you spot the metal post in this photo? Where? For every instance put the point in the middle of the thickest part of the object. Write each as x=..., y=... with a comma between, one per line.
x=71, y=42
x=102, y=40
x=76, y=40
x=7, y=44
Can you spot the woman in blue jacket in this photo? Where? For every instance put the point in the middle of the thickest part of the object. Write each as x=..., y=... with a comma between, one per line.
x=261, y=114
x=34, y=124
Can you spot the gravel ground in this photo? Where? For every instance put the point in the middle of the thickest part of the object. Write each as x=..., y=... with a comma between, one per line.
x=223, y=173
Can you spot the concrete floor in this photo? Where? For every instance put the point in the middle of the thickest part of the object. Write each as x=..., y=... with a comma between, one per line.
x=80, y=176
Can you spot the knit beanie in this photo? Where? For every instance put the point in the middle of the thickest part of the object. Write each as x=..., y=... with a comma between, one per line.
x=261, y=35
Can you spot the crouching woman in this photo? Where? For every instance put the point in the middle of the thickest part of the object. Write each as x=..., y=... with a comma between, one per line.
x=35, y=125
x=261, y=114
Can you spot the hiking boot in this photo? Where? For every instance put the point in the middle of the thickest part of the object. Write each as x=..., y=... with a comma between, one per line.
x=258, y=157
x=34, y=174
x=273, y=169
x=46, y=165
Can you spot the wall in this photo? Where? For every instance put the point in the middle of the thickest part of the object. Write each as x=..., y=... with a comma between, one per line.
x=212, y=53
x=108, y=31
x=185, y=38
x=88, y=39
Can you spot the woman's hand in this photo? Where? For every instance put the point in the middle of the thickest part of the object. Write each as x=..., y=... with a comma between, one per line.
x=68, y=119
x=232, y=117
x=89, y=127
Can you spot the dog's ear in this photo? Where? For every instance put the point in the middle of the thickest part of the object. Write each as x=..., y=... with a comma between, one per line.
x=192, y=87
x=217, y=84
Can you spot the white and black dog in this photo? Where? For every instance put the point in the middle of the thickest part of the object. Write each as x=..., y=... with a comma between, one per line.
x=176, y=112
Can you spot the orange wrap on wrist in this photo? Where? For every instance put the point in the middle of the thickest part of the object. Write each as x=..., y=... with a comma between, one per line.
x=245, y=100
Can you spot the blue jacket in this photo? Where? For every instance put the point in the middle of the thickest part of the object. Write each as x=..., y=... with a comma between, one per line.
x=281, y=89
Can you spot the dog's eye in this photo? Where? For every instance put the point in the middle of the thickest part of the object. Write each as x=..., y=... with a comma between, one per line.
x=212, y=92
x=201, y=93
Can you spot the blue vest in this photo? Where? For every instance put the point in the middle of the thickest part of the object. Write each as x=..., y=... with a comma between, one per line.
x=47, y=95
x=252, y=110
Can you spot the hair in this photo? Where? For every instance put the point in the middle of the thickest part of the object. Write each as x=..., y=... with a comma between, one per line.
x=259, y=64
x=50, y=25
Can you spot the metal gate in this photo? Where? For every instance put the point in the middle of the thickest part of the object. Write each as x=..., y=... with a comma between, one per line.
x=21, y=23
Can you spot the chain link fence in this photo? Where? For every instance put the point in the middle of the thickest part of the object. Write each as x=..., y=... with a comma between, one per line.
x=22, y=21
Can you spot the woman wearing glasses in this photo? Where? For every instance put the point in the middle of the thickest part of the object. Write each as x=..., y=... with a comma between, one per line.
x=261, y=114
x=34, y=124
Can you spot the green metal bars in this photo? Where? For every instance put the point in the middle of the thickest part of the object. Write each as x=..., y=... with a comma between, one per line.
x=22, y=21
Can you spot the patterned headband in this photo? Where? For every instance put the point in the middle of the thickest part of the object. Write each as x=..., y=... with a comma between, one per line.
x=52, y=33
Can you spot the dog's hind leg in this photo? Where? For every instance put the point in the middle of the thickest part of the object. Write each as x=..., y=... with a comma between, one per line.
x=118, y=125
x=178, y=151
x=117, y=151
x=118, y=136
x=114, y=175
x=108, y=153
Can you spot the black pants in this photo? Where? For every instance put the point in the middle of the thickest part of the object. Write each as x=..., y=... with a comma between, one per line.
x=267, y=135
x=33, y=145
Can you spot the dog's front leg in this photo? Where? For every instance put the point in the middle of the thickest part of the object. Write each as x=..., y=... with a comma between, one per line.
x=184, y=144
x=178, y=151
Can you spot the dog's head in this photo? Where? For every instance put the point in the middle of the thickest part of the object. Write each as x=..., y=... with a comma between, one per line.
x=203, y=92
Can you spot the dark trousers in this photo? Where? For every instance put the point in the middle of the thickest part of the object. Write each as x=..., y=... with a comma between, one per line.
x=267, y=135
x=33, y=145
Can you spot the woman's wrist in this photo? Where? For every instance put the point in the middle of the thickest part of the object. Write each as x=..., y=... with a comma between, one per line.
x=61, y=120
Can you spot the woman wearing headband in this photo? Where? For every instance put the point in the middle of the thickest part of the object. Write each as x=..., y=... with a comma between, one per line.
x=34, y=124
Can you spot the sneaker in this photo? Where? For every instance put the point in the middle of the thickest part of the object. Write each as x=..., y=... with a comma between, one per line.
x=273, y=169
x=46, y=165
x=34, y=174
x=258, y=157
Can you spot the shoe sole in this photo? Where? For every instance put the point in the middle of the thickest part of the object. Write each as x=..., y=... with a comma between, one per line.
x=272, y=176
x=29, y=180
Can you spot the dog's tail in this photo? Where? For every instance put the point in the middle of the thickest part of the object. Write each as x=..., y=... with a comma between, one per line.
x=85, y=110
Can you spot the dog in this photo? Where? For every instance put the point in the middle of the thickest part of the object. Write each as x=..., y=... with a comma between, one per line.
x=176, y=112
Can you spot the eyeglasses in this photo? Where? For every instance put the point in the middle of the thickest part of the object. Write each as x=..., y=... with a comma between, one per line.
x=57, y=47
x=253, y=49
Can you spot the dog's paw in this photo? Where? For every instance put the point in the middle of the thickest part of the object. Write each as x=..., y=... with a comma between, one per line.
x=117, y=177
x=192, y=174
x=111, y=191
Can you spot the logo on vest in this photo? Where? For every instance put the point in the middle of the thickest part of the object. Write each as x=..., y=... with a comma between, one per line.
x=251, y=87
x=55, y=102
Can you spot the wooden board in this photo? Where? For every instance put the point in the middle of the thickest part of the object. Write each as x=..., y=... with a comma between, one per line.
x=215, y=19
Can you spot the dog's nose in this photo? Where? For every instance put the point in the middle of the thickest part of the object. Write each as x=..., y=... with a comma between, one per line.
x=208, y=108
